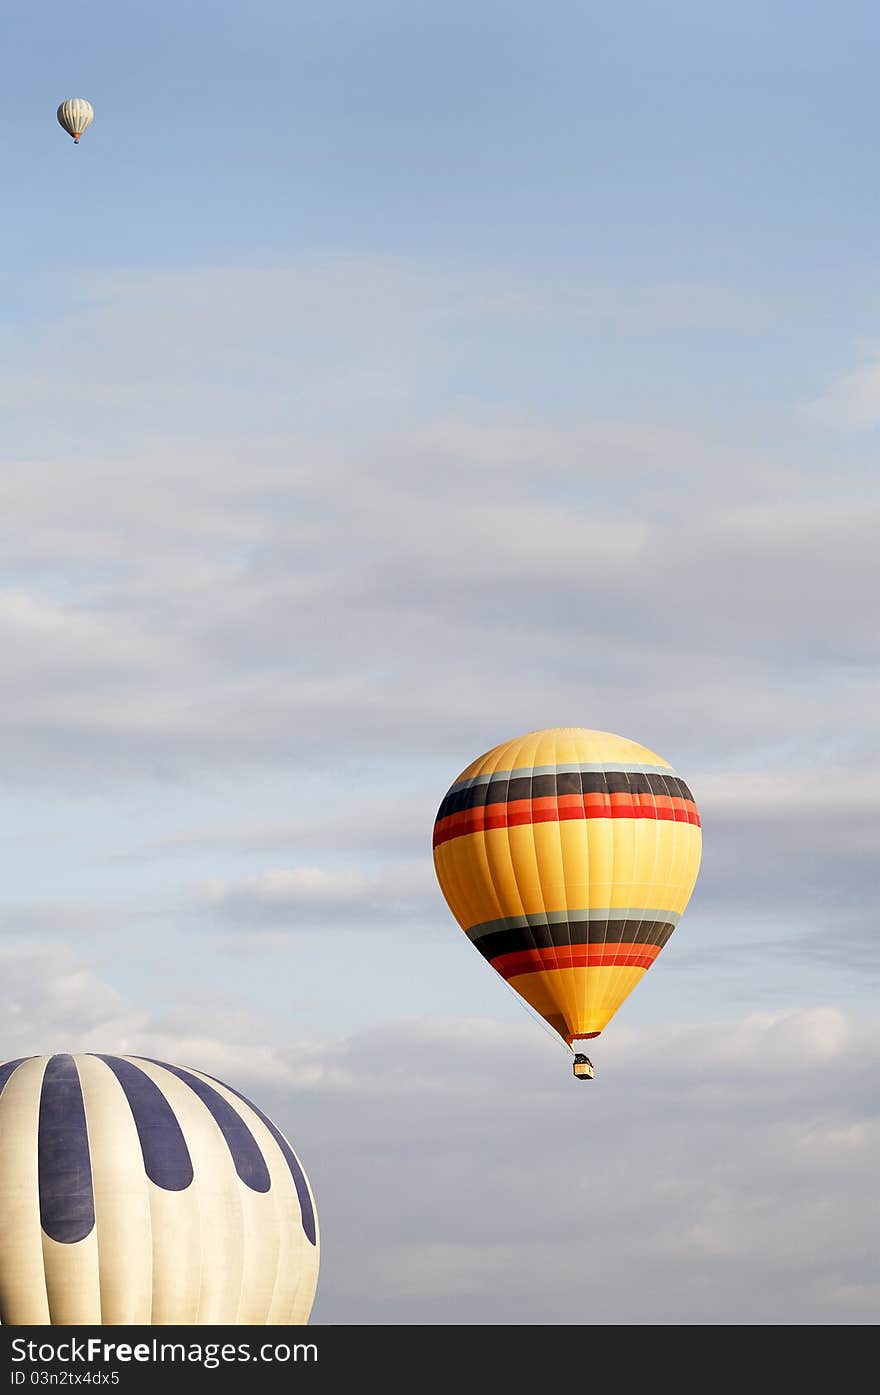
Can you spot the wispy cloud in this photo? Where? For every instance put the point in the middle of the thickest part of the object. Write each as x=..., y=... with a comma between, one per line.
x=732, y=1149
x=851, y=400
x=304, y=896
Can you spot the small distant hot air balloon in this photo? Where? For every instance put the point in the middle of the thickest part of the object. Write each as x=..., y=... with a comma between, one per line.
x=76, y=116
x=136, y=1192
x=568, y=856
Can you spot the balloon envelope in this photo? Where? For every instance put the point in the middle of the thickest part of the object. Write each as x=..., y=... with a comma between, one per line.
x=137, y=1192
x=568, y=856
x=76, y=116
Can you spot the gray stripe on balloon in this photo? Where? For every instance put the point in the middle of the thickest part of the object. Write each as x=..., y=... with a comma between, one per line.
x=9, y=1067
x=163, y=1147
x=296, y=1172
x=64, y=1169
x=249, y=1161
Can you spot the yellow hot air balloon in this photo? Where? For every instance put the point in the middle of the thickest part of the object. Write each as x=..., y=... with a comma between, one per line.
x=568, y=856
x=132, y=1191
x=76, y=116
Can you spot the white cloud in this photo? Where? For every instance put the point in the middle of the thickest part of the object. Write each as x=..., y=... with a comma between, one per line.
x=852, y=400
x=62, y=918
x=767, y=795
x=463, y=1176
x=695, y=1170
x=380, y=825
x=289, y=896
x=271, y=579
x=51, y=998
x=54, y=1001
x=373, y=572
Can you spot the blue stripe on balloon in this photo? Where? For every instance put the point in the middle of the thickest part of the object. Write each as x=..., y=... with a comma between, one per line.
x=166, y=1157
x=9, y=1067
x=249, y=1161
x=67, y=1205
x=296, y=1172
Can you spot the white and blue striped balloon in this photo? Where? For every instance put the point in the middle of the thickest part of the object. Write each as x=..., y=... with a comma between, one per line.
x=132, y=1191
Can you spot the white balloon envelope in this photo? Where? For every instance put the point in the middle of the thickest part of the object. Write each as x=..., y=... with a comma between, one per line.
x=139, y=1192
x=76, y=116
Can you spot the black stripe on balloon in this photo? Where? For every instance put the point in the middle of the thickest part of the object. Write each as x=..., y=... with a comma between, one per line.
x=574, y=932
x=296, y=1172
x=166, y=1157
x=9, y=1067
x=505, y=790
x=64, y=1169
x=249, y=1161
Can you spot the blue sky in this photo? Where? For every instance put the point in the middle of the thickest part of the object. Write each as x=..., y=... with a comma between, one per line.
x=739, y=138
x=376, y=386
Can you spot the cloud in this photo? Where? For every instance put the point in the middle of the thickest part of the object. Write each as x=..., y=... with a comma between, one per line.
x=52, y=997
x=56, y=1001
x=852, y=400
x=63, y=918
x=462, y=1176
x=227, y=628
x=306, y=896
x=193, y=350
x=381, y=825
x=224, y=545
x=290, y=552
x=722, y=1168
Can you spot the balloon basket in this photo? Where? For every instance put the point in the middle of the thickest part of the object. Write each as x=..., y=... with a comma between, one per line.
x=582, y=1068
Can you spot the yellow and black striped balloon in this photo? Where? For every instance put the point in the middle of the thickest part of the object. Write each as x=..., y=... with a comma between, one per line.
x=568, y=856
x=132, y=1191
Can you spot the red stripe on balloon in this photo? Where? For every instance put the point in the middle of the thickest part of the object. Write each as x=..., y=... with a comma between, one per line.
x=532, y=961
x=556, y=808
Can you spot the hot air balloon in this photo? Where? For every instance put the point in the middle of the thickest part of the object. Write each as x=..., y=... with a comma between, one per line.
x=567, y=856
x=76, y=116
x=132, y=1191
